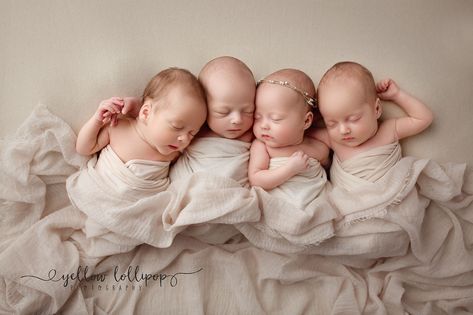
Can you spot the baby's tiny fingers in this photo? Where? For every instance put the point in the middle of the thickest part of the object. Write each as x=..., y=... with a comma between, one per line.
x=115, y=120
x=118, y=102
x=116, y=109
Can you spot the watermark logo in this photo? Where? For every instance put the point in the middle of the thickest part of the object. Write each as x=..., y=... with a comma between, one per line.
x=131, y=278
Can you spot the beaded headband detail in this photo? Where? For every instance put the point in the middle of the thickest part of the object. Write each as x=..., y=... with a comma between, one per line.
x=308, y=99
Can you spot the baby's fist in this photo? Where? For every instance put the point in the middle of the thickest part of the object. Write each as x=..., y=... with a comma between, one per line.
x=387, y=89
x=108, y=111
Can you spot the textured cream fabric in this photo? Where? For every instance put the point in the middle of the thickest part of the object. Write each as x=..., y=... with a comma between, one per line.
x=365, y=167
x=225, y=157
x=71, y=55
x=400, y=244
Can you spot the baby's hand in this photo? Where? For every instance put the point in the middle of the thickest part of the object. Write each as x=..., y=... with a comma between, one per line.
x=108, y=111
x=387, y=89
x=131, y=106
x=298, y=162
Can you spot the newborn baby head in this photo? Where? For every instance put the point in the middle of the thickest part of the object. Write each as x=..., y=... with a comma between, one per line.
x=284, y=102
x=349, y=104
x=173, y=110
x=230, y=89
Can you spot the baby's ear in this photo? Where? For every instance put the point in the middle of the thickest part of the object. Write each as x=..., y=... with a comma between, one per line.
x=309, y=117
x=145, y=112
x=378, y=108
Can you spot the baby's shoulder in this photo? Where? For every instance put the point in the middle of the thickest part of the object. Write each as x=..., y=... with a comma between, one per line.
x=123, y=125
x=122, y=133
x=386, y=132
x=315, y=148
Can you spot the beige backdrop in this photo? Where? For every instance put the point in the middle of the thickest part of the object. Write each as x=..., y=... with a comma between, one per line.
x=70, y=55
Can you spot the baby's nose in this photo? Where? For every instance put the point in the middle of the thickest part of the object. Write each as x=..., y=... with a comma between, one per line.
x=183, y=138
x=236, y=118
x=344, y=129
x=263, y=123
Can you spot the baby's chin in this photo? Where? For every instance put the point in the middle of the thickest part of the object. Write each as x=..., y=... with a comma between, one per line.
x=271, y=143
x=231, y=135
x=350, y=143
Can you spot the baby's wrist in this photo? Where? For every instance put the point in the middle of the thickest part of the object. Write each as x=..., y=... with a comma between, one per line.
x=400, y=96
x=98, y=122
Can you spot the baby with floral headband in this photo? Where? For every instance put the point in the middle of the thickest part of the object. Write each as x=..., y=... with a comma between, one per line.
x=281, y=153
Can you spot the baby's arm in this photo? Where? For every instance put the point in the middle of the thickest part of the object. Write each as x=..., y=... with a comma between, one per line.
x=93, y=136
x=419, y=115
x=260, y=175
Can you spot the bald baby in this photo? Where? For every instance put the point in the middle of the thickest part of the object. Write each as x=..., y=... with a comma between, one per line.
x=230, y=89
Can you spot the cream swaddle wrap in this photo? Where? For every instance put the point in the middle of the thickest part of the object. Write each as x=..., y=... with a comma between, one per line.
x=368, y=166
x=140, y=177
x=365, y=187
x=221, y=156
x=358, y=172
x=301, y=189
x=296, y=214
x=108, y=186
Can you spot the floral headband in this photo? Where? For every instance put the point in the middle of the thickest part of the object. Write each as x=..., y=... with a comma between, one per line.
x=308, y=99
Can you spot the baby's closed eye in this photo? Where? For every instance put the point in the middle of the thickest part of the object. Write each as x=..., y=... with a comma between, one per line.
x=354, y=118
x=222, y=113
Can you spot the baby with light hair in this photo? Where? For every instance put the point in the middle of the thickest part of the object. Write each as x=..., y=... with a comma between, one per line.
x=172, y=113
x=349, y=101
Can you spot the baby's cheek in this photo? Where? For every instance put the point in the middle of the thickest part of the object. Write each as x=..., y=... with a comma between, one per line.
x=331, y=133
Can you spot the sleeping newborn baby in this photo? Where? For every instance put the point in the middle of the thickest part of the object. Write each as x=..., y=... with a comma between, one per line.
x=135, y=154
x=223, y=147
x=365, y=149
x=283, y=160
x=285, y=168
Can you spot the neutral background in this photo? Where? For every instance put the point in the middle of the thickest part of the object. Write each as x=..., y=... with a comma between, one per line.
x=69, y=55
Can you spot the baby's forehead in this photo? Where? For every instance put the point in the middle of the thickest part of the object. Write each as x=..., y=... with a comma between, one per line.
x=225, y=66
x=348, y=76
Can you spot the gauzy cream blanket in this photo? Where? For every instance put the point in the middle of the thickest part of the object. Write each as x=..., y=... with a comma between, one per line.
x=112, y=211
x=107, y=189
x=222, y=156
x=296, y=214
x=366, y=167
x=227, y=158
x=403, y=244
